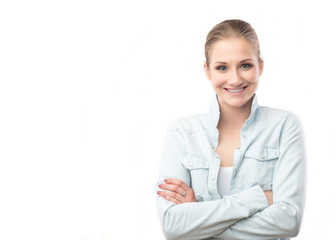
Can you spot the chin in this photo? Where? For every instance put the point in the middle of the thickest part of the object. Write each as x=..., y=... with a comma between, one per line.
x=235, y=103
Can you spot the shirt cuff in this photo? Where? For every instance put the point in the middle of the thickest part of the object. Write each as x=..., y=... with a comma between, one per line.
x=254, y=198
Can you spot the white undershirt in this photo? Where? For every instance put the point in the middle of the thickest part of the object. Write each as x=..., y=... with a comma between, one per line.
x=224, y=180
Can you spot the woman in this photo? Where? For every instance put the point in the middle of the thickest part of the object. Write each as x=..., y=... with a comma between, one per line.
x=236, y=171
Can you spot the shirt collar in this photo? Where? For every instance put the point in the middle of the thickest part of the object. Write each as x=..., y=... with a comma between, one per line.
x=211, y=116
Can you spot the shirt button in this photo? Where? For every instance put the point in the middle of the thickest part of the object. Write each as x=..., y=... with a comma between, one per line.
x=191, y=164
x=262, y=156
x=213, y=147
x=238, y=148
x=213, y=178
x=244, y=136
x=217, y=156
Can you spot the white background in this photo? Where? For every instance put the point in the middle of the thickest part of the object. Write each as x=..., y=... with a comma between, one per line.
x=87, y=89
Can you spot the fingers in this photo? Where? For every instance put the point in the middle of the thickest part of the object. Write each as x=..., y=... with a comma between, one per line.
x=177, y=191
x=177, y=182
x=171, y=196
x=172, y=187
x=181, y=187
x=269, y=196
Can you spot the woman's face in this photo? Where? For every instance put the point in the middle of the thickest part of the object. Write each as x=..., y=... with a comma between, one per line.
x=234, y=71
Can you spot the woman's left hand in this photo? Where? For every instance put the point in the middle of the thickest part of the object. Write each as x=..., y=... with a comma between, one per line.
x=178, y=191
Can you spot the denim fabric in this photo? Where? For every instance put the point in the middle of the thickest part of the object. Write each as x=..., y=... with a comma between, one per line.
x=271, y=157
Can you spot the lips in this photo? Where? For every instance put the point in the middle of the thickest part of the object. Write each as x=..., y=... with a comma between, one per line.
x=235, y=91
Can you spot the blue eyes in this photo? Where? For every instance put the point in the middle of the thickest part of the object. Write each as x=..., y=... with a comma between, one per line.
x=221, y=68
x=244, y=66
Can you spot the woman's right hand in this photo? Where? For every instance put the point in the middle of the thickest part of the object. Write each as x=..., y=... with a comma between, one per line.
x=177, y=191
x=269, y=196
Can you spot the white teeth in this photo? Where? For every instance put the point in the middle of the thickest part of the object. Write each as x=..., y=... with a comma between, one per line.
x=235, y=91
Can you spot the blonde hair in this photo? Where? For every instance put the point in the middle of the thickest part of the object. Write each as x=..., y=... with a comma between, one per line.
x=233, y=28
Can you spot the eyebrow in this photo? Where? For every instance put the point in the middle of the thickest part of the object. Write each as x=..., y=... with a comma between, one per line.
x=239, y=62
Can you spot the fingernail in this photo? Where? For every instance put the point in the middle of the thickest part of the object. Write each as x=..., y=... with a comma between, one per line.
x=160, y=186
x=159, y=192
x=165, y=180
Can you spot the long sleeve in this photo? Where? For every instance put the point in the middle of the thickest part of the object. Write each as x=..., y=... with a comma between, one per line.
x=283, y=218
x=199, y=220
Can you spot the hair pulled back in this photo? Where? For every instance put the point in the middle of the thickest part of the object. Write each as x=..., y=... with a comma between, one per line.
x=233, y=28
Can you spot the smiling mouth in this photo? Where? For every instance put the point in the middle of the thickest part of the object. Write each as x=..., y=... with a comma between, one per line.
x=235, y=90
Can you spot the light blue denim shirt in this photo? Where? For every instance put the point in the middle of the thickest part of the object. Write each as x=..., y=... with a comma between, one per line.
x=272, y=156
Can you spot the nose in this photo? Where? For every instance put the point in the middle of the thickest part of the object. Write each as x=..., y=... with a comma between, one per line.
x=235, y=80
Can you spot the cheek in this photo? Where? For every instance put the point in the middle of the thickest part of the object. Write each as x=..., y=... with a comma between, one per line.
x=251, y=76
x=216, y=79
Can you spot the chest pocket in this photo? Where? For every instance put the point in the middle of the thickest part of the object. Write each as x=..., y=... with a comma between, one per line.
x=199, y=171
x=261, y=162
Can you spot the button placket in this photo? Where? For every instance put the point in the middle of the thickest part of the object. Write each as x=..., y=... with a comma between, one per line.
x=213, y=171
x=217, y=157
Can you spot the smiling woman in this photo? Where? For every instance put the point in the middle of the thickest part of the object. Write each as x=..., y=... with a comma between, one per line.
x=234, y=68
x=238, y=170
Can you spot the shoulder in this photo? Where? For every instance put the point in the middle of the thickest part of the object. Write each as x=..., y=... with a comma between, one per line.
x=189, y=124
x=270, y=114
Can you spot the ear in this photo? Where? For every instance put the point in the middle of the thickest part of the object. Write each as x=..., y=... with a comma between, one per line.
x=207, y=71
x=261, y=66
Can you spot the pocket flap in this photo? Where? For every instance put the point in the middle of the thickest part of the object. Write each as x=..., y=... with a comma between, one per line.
x=195, y=162
x=262, y=153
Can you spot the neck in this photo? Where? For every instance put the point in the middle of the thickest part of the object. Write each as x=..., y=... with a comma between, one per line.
x=234, y=118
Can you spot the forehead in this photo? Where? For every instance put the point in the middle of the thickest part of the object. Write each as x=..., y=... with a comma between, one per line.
x=232, y=49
